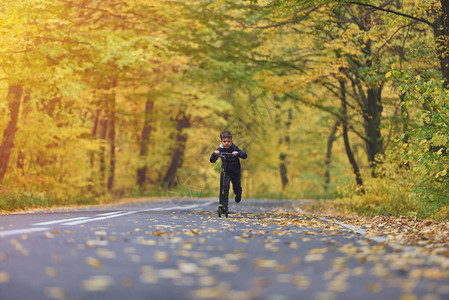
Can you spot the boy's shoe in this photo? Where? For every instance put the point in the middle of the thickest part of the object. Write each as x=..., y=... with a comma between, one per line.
x=222, y=210
x=238, y=198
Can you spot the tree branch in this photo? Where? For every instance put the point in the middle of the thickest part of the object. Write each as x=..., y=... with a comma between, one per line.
x=62, y=41
x=328, y=110
x=293, y=20
x=397, y=13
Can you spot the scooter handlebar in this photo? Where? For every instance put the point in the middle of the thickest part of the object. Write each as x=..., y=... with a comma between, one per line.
x=223, y=154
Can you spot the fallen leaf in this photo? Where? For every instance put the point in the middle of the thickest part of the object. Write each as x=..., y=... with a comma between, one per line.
x=104, y=253
x=159, y=233
x=211, y=292
x=192, y=232
x=325, y=296
x=147, y=242
x=262, y=263
x=229, y=268
x=374, y=287
x=96, y=243
x=169, y=273
x=282, y=268
x=56, y=293
x=311, y=233
x=4, y=277
x=161, y=256
x=188, y=268
x=207, y=281
x=261, y=282
x=408, y=297
x=93, y=262
x=49, y=235
x=97, y=283
x=148, y=275
x=296, y=260
x=51, y=272
x=100, y=232
x=337, y=286
x=301, y=281
x=127, y=282
x=134, y=258
x=313, y=257
x=129, y=250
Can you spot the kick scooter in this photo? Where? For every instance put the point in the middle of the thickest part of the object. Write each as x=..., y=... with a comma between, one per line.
x=221, y=209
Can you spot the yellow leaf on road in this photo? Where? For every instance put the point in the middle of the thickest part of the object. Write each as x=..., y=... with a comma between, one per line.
x=313, y=257
x=337, y=286
x=374, y=287
x=207, y=281
x=301, y=281
x=161, y=256
x=51, y=272
x=263, y=263
x=55, y=292
x=229, y=268
x=148, y=275
x=97, y=283
x=4, y=277
x=188, y=268
x=100, y=232
x=311, y=233
x=93, y=262
x=169, y=274
x=104, y=253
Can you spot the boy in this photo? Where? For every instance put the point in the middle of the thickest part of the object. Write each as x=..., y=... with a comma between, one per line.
x=230, y=170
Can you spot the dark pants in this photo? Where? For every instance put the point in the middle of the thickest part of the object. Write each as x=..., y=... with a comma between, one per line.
x=225, y=183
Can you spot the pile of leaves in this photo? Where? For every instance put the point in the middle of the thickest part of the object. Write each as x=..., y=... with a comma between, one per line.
x=431, y=237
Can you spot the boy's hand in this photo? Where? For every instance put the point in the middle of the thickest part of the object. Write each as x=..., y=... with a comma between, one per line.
x=216, y=152
x=235, y=153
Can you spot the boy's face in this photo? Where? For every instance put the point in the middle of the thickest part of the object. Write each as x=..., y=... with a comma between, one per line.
x=226, y=142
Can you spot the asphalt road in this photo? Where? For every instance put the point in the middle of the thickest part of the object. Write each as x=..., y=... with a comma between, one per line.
x=180, y=249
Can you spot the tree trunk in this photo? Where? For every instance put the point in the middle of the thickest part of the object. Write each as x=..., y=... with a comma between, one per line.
x=111, y=138
x=283, y=169
x=372, y=125
x=103, y=135
x=330, y=142
x=145, y=141
x=372, y=112
x=352, y=161
x=20, y=163
x=178, y=151
x=282, y=155
x=94, y=136
x=441, y=40
x=96, y=125
x=14, y=97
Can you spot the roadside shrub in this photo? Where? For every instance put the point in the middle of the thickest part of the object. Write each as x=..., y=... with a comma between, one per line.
x=22, y=200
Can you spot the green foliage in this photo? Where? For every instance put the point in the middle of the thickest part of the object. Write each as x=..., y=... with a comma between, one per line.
x=412, y=176
x=22, y=200
x=392, y=192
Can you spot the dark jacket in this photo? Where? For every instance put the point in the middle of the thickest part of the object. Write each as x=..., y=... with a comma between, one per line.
x=230, y=163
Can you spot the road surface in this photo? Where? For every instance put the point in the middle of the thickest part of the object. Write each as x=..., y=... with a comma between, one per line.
x=180, y=249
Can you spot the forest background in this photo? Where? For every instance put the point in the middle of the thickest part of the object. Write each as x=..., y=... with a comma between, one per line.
x=330, y=99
